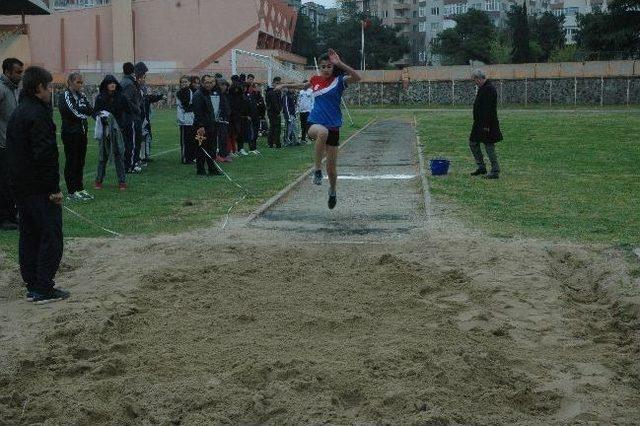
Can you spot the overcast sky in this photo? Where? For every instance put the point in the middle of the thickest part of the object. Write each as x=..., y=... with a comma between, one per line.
x=326, y=3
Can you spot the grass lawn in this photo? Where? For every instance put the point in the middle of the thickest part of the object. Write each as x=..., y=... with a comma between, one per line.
x=168, y=197
x=565, y=175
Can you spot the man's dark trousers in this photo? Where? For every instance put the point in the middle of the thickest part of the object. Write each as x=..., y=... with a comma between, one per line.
x=207, y=145
x=75, y=151
x=7, y=203
x=132, y=136
x=274, y=130
x=304, y=124
x=40, y=246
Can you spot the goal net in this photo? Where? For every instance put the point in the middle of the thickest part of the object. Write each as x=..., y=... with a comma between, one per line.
x=263, y=67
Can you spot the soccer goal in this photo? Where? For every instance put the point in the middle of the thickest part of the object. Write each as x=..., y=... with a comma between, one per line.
x=263, y=67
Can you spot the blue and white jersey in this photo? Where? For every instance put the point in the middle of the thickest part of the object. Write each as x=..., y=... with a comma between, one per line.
x=327, y=94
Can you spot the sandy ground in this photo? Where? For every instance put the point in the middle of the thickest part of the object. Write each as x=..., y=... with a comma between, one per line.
x=366, y=314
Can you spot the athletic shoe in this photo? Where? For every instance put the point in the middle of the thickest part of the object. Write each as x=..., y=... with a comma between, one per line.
x=479, y=171
x=492, y=175
x=53, y=295
x=219, y=159
x=137, y=169
x=332, y=200
x=122, y=186
x=317, y=177
x=84, y=194
x=30, y=295
x=75, y=197
x=255, y=152
x=243, y=152
x=227, y=159
x=97, y=185
x=215, y=172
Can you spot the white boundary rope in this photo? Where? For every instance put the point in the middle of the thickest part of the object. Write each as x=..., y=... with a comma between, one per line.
x=89, y=221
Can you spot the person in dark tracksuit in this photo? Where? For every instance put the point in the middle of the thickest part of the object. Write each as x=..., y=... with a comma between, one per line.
x=34, y=178
x=74, y=111
x=184, y=115
x=221, y=111
x=256, y=108
x=486, y=127
x=204, y=121
x=132, y=129
x=274, y=110
x=239, y=112
x=12, y=70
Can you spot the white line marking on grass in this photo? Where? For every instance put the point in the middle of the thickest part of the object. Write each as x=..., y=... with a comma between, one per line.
x=376, y=177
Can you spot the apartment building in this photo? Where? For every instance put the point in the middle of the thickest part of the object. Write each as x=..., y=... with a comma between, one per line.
x=316, y=13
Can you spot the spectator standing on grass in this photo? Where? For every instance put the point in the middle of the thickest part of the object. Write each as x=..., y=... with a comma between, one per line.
x=184, y=113
x=486, y=127
x=12, y=70
x=74, y=109
x=238, y=113
x=34, y=177
x=147, y=136
x=205, y=124
x=254, y=98
x=132, y=128
x=274, y=110
x=111, y=109
x=221, y=111
x=289, y=108
x=305, y=106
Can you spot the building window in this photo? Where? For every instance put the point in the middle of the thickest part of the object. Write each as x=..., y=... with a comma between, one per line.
x=422, y=26
x=435, y=11
x=491, y=6
x=571, y=11
x=558, y=12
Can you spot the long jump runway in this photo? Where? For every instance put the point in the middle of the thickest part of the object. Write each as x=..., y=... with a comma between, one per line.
x=379, y=190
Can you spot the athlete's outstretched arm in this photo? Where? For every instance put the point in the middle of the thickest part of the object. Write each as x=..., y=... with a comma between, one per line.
x=353, y=76
x=295, y=86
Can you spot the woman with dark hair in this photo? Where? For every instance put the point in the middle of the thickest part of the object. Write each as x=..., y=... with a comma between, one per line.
x=184, y=98
x=110, y=111
x=75, y=109
x=325, y=119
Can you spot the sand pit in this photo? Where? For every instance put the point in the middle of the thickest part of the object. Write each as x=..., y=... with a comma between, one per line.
x=387, y=320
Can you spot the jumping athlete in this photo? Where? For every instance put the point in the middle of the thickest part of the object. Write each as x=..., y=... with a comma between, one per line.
x=325, y=119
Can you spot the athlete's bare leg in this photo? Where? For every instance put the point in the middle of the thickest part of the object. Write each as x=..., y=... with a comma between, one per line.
x=332, y=156
x=319, y=134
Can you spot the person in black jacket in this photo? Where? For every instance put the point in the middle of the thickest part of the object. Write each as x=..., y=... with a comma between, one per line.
x=132, y=128
x=256, y=108
x=204, y=121
x=239, y=112
x=184, y=116
x=486, y=127
x=148, y=98
x=34, y=178
x=112, y=101
x=222, y=111
x=274, y=109
x=74, y=111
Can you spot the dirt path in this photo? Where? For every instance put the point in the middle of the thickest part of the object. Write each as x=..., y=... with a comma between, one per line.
x=364, y=314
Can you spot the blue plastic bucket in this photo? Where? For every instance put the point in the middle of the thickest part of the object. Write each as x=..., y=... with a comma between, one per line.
x=439, y=166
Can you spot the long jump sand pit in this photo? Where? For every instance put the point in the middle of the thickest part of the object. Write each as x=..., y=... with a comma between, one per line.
x=390, y=319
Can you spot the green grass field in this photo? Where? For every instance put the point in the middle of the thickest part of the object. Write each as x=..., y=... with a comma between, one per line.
x=565, y=175
x=169, y=197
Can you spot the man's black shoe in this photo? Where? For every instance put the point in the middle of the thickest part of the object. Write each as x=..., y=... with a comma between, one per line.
x=479, y=171
x=201, y=173
x=53, y=295
x=8, y=226
x=215, y=172
x=491, y=175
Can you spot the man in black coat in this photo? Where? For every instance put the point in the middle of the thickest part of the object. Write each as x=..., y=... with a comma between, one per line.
x=34, y=178
x=486, y=127
x=204, y=121
x=274, y=111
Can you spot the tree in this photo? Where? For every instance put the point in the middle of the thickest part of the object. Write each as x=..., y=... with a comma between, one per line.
x=305, y=40
x=611, y=35
x=548, y=32
x=383, y=45
x=519, y=30
x=471, y=39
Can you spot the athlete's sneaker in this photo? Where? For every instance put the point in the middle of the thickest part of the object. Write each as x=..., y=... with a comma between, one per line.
x=30, y=295
x=97, y=185
x=254, y=152
x=137, y=169
x=243, y=152
x=53, y=295
x=122, y=186
x=317, y=177
x=84, y=194
x=332, y=200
